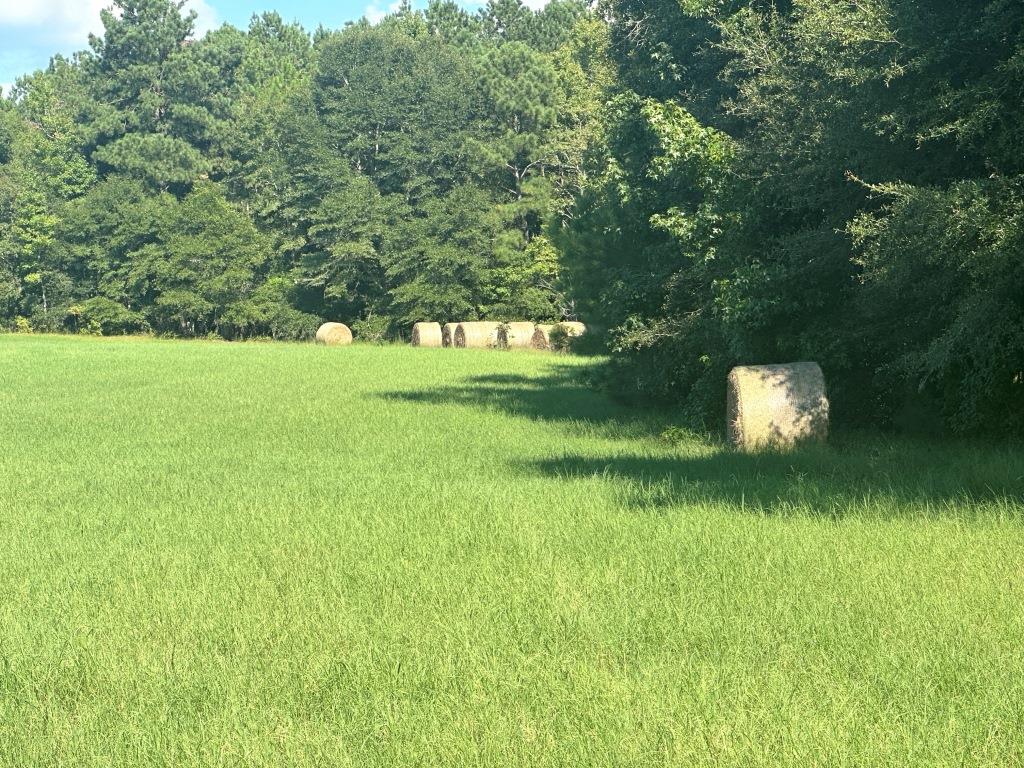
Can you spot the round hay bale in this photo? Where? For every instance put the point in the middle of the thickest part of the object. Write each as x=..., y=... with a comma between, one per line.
x=776, y=406
x=573, y=329
x=448, y=334
x=542, y=336
x=334, y=335
x=427, y=335
x=557, y=336
x=515, y=335
x=561, y=335
x=478, y=335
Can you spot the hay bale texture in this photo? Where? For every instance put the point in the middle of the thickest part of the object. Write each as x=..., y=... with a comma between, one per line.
x=427, y=335
x=515, y=335
x=547, y=336
x=334, y=335
x=448, y=334
x=776, y=406
x=542, y=336
x=478, y=335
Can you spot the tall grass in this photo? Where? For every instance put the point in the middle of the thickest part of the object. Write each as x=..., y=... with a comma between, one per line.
x=271, y=554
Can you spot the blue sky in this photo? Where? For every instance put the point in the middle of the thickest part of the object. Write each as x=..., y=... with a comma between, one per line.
x=31, y=31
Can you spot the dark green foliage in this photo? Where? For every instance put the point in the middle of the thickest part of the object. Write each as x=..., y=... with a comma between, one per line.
x=104, y=316
x=441, y=264
x=865, y=212
x=158, y=159
x=6, y=133
x=268, y=311
x=511, y=21
x=943, y=276
x=451, y=22
x=393, y=105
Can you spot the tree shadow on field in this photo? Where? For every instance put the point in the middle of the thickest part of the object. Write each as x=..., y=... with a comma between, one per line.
x=856, y=472
x=894, y=476
x=565, y=397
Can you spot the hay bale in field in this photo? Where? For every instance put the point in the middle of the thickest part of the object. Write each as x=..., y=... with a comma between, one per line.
x=427, y=335
x=448, y=334
x=542, y=336
x=776, y=406
x=478, y=334
x=334, y=335
x=515, y=335
x=573, y=329
x=556, y=336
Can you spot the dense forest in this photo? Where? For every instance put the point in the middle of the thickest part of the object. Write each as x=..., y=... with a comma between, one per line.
x=712, y=181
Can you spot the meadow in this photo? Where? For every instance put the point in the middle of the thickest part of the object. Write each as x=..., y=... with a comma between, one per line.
x=281, y=554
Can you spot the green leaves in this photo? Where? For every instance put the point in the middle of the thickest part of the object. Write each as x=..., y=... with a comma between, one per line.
x=104, y=316
x=154, y=158
x=397, y=107
x=819, y=180
x=942, y=273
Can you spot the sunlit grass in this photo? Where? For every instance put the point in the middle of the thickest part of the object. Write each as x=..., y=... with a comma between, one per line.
x=271, y=554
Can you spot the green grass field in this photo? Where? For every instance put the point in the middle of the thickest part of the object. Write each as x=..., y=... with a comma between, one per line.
x=277, y=555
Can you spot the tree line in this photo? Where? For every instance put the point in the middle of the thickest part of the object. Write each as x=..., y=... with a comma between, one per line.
x=711, y=181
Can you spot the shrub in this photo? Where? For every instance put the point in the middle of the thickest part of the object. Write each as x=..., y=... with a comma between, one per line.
x=43, y=321
x=942, y=298
x=268, y=312
x=100, y=315
x=373, y=329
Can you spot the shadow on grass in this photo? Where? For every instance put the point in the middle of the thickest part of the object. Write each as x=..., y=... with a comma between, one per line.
x=863, y=472
x=564, y=397
x=866, y=473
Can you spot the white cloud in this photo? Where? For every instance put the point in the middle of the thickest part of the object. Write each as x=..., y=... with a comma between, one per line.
x=375, y=14
x=71, y=21
x=66, y=19
x=207, y=16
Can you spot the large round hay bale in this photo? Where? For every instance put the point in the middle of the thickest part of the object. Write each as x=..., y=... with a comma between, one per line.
x=556, y=336
x=515, y=335
x=334, y=335
x=448, y=334
x=573, y=329
x=542, y=336
x=477, y=334
x=426, y=335
x=776, y=406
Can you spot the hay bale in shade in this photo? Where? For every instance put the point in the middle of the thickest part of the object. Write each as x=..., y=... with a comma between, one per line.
x=557, y=335
x=427, y=335
x=542, y=336
x=479, y=334
x=776, y=406
x=334, y=335
x=515, y=335
x=448, y=334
